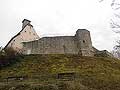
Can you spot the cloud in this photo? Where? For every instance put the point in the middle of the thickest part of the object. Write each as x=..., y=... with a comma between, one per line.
x=58, y=17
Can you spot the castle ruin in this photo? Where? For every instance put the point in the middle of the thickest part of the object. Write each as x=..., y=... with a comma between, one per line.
x=28, y=42
x=78, y=44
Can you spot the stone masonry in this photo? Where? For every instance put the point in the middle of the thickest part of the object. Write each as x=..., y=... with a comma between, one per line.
x=78, y=44
x=28, y=42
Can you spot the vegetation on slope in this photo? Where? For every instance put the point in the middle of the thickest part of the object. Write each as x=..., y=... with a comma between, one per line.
x=8, y=56
x=93, y=73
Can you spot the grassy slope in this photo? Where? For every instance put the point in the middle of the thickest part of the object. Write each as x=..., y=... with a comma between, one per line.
x=94, y=72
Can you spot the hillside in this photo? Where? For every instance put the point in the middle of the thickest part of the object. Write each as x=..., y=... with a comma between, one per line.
x=41, y=71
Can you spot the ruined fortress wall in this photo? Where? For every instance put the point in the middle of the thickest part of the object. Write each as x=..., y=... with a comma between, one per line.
x=53, y=45
x=28, y=42
x=78, y=44
x=60, y=45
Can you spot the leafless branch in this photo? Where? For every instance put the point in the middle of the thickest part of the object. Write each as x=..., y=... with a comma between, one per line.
x=114, y=24
x=113, y=2
x=117, y=15
x=117, y=8
x=101, y=0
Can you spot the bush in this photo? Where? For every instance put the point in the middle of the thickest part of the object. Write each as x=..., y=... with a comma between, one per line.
x=8, y=56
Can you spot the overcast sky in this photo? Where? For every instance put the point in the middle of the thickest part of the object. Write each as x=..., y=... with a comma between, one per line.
x=59, y=17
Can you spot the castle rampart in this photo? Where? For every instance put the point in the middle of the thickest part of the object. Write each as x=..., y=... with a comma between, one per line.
x=28, y=42
x=78, y=44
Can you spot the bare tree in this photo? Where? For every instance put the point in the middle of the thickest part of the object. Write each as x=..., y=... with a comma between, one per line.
x=115, y=5
x=115, y=24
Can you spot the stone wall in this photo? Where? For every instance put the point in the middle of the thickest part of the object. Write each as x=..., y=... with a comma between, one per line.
x=78, y=44
x=28, y=42
x=52, y=45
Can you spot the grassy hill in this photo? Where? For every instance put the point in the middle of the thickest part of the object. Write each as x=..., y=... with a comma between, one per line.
x=92, y=73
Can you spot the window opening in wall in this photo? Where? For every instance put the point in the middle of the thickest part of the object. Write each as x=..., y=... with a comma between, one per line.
x=83, y=41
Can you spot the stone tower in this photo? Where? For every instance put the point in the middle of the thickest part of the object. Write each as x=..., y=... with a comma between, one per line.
x=84, y=42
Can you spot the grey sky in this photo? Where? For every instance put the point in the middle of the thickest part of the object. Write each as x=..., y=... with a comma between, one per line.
x=58, y=17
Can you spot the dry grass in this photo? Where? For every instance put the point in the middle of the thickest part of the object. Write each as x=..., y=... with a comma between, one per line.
x=93, y=73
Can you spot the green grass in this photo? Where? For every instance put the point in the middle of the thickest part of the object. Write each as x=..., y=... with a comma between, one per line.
x=93, y=73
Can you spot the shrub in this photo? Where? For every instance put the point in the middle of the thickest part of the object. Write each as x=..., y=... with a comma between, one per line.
x=8, y=56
